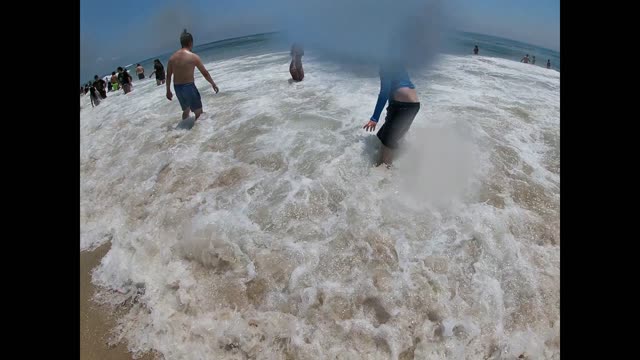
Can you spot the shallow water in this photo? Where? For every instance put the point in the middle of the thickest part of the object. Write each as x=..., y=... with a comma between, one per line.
x=264, y=231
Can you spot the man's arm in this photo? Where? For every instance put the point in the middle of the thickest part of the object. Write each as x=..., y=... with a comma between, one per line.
x=168, y=82
x=205, y=73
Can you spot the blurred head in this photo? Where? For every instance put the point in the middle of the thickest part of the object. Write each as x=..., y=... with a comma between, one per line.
x=186, y=40
x=138, y=65
x=120, y=69
x=96, y=77
x=113, y=73
x=527, y=55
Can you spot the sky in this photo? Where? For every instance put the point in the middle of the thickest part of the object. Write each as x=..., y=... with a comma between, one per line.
x=119, y=32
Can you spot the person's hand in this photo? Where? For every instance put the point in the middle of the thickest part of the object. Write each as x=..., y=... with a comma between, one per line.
x=370, y=126
x=215, y=88
x=169, y=95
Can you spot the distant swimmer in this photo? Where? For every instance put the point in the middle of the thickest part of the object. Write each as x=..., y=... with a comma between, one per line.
x=182, y=63
x=101, y=86
x=140, y=71
x=396, y=87
x=533, y=60
x=158, y=69
x=475, y=50
x=525, y=59
x=115, y=85
x=295, y=68
x=549, y=64
x=125, y=80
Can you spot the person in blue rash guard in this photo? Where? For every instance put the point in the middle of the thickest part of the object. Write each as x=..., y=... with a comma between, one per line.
x=397, y=88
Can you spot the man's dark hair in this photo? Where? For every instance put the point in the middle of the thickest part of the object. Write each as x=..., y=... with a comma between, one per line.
x=113, y=73
x=186, y=39
x=96, y=77
x=138, y=65
x=120, y=68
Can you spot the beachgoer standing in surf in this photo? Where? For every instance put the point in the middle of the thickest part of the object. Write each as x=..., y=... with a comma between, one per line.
x=182, y=64
x=158, y=69
x=140, y=71
x=295, y=68
x=396, y=87
x=125, y=80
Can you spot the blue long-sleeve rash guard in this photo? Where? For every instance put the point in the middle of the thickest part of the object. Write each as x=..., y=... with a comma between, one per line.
x=392, y=78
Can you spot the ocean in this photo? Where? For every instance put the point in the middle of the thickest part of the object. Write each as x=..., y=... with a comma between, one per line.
x=265, y=232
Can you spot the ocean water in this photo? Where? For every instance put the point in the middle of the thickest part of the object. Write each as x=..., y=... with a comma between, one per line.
x=459, y=43
x=264, y=232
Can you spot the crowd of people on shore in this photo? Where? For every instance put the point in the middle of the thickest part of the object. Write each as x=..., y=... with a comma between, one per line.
x=119, y=79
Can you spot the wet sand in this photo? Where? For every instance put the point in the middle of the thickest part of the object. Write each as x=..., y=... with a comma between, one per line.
x=96, y=320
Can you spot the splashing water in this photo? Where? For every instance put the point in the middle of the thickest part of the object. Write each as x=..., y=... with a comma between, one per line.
x=264, y=231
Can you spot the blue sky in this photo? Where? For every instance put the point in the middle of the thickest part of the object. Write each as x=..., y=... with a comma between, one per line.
x=119, y=32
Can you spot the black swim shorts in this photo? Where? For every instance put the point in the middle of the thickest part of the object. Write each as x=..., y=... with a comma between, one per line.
x=399, y=118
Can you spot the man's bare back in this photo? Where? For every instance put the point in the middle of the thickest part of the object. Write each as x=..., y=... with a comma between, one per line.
x=183, y=62
x=181, y=67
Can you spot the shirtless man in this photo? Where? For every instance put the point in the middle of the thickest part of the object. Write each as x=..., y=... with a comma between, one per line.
x=295, y=68
x=182, y=63
x=140, y=71
x=525, y=59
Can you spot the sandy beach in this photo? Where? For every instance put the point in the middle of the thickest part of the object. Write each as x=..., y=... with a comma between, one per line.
x=96, y=321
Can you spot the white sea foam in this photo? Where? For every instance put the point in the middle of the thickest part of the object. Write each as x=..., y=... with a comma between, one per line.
x=264, y=232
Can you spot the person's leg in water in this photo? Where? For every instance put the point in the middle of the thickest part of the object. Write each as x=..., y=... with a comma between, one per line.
x=300, y=73
x=386, y=156
x=189, y=98
x=294, y=71
x=185, y=113
x=198, y=113
x=400, y=116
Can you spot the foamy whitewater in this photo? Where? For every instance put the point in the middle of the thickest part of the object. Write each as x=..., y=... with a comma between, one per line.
x=266, y=233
